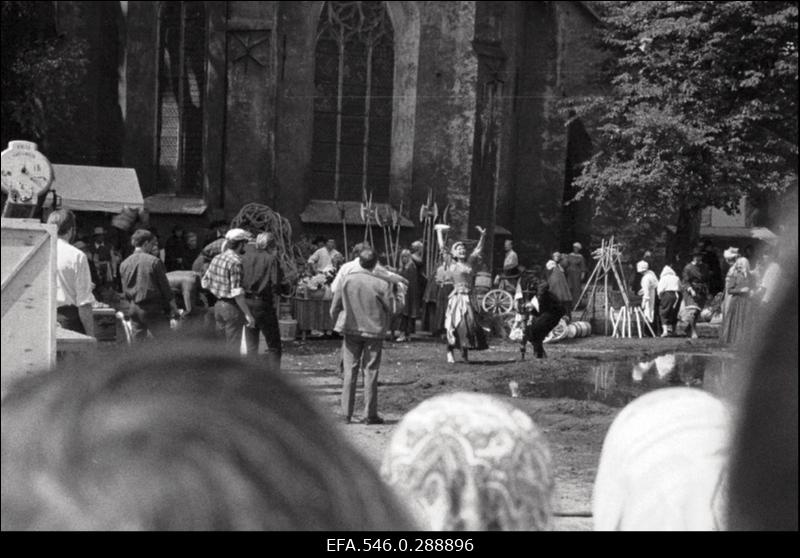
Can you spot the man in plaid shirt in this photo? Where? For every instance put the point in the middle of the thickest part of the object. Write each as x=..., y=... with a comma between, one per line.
x=224, y=280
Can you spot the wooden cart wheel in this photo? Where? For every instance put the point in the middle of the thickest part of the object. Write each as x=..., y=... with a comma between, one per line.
x=497, y=301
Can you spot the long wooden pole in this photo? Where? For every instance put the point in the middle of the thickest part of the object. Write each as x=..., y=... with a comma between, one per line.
x=605, y=285
x=588, y=282
x=638, y=323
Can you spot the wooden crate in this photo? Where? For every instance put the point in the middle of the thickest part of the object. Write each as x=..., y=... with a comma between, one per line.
x=28, y=298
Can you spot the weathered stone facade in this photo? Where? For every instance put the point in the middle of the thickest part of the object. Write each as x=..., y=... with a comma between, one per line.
x=474, y=113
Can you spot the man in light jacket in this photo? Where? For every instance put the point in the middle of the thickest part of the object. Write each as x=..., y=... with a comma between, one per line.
x=365, y=300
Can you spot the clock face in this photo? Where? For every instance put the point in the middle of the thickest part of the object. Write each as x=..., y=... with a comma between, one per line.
x=26, y=173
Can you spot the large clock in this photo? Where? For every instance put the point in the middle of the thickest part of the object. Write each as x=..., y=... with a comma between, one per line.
x=26, y=173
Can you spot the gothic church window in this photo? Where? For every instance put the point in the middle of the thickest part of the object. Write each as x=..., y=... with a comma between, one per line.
x=181, y=84
x=354, y=74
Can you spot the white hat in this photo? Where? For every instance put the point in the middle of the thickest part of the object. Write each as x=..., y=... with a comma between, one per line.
x=237, y=234
x=731, y=253
x=642, y=266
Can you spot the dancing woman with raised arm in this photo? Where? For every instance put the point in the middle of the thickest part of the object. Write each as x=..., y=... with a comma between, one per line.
x=460, y=322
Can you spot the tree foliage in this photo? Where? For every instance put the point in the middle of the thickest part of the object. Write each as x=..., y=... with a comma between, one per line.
x=699, y=107
x=41, y=73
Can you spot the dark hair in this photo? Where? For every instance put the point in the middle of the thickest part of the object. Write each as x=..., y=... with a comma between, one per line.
x=235, y=244
x=181, y=437
x=318, y=239
x=141, y=237
x=367, y=258
x=64, y=219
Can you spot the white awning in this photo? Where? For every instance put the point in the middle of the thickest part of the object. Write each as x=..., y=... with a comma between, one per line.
x=108, y=189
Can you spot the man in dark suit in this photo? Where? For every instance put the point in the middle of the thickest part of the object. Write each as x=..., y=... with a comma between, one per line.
x=545, y=312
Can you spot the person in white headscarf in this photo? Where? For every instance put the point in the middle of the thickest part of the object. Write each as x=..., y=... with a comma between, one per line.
x=663, y=464
x=738, y=312
x=471, y=462
x=669, y=294
x=649, y=285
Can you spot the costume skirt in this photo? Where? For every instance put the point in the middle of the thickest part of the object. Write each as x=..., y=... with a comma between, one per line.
x=461, y=324
x=736, y=319
x=442, y=297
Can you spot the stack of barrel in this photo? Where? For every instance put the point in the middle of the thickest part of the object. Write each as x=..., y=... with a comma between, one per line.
x=579, y=329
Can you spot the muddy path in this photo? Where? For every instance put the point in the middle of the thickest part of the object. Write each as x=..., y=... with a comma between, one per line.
x=568, y=395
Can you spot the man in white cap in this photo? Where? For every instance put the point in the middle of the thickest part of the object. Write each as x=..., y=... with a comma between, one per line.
x=224, y=280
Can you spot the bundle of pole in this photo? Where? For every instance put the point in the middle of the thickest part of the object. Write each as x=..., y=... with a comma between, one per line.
x=257, y=218
x=368, y=215
x=429, y=216
x=609, y=265
x=390, y=226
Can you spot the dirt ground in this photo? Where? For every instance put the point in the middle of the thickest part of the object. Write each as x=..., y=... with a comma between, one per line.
x=412, y=372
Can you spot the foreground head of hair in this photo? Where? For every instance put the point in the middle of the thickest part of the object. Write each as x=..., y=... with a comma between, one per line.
x=471, y=462
x=662, y=464
x=181, y=438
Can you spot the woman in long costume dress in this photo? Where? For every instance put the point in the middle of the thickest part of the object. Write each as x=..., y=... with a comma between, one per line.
x=736, y=319
x=460, y=323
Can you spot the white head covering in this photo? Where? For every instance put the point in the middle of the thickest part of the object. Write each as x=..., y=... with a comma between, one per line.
x=642, y=266
x=667, y=271
x=731, y=253
x=237, y=234
x=663, y=464
x=577, y=245
x=233, y=235
x=551, y=264
x=469, y=461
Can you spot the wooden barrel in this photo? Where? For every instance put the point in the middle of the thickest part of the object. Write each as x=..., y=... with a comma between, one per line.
x=572, y=331
x=584, y=329
x=288, y=329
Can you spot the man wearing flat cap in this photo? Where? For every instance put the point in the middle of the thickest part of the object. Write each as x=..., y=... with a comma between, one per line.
x=146, y=287
x=224, y=280
x=694, y=284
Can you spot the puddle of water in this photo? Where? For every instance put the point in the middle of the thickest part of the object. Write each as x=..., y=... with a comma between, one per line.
x=617, y=383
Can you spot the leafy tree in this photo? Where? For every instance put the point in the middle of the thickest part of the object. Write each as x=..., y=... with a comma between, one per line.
x=40, y=76
x=699, y=108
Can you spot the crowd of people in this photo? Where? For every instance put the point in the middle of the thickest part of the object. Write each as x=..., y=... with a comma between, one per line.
x=203, y=439
x=726, y=292
x=188, y=437
x=230, y=289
